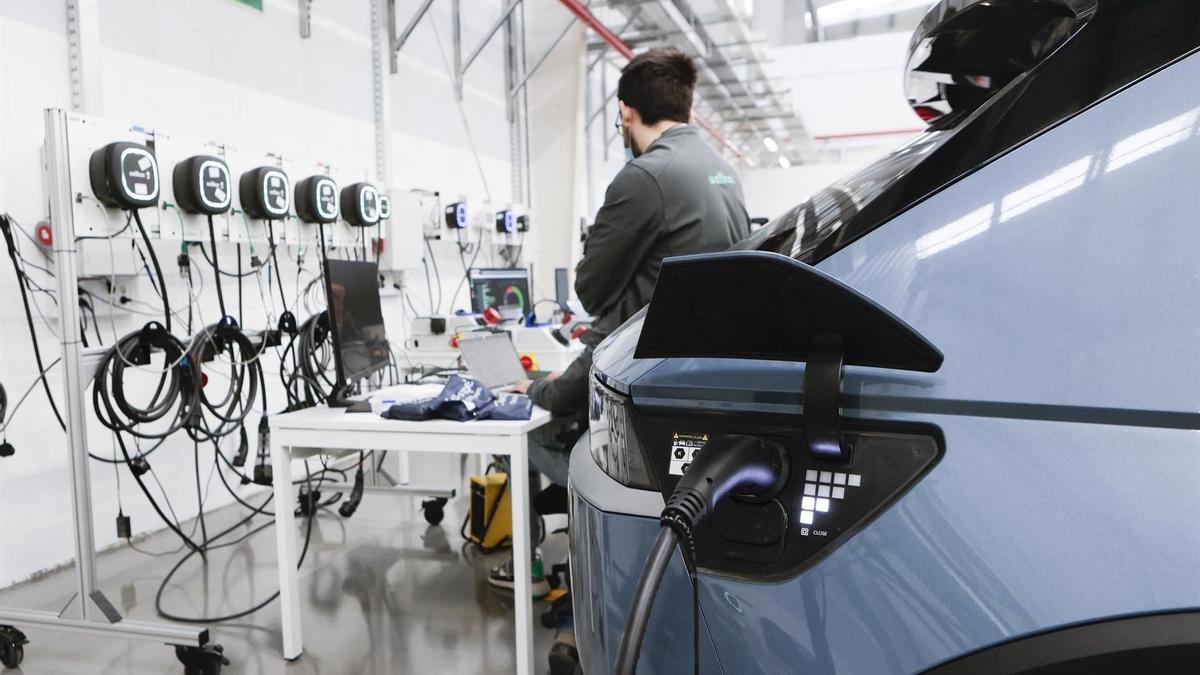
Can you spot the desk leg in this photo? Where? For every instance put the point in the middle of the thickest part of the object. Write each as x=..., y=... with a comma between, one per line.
x=285, y=540
x=522, y=602
x=403, y=468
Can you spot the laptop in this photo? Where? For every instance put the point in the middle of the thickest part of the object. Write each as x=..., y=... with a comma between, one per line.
x=492, y=360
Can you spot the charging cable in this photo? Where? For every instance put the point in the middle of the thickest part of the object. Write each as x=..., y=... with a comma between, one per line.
x=747, y=467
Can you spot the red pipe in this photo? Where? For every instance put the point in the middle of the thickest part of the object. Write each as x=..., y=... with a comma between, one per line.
x=585, y=15
x=866, y=134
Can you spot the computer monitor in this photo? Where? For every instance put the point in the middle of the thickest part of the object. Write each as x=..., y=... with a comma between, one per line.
x=360, y=345
x=507, y=290
x=562, y=286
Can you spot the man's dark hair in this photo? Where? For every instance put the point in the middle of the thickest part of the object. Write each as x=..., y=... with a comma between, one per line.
x=659, y=84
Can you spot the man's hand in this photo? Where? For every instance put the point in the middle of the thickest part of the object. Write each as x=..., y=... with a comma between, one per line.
x=554, y=375
x=522, y=386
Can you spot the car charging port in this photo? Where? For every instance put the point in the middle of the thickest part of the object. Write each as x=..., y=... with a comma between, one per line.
x=747, y=467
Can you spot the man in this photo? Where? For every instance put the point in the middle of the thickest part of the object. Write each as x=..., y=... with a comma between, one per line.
x=675, y=196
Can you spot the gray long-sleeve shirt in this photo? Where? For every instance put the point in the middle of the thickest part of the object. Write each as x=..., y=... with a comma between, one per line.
x=679, y=197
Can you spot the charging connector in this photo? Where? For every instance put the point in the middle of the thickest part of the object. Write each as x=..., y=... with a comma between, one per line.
x=239, y=460
x=746, y=467
x=349, y=506
x=262, y=467
x=124, y=526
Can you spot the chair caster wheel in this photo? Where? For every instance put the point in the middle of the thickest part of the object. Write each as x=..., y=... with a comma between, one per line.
x=12, y=655
x=12, y=646
x=206, y=660
x=434, y=510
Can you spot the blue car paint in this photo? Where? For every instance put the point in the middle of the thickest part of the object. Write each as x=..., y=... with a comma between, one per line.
x=1061, y=282
x=626, y=542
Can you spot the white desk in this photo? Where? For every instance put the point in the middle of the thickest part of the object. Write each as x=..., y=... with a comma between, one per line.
x=323, y=430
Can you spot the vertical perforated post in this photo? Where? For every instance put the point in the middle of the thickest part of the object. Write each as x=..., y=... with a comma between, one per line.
x=305, y=13
x=62, y=219
x=83, y=55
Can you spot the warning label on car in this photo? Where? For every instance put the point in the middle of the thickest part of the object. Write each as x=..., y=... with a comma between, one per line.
x=683, y=451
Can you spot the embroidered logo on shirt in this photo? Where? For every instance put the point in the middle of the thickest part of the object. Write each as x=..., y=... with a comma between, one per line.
x=721, y=178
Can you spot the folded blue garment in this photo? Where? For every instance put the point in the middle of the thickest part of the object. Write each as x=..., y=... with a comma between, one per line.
x=508, y=407
x=464, y=399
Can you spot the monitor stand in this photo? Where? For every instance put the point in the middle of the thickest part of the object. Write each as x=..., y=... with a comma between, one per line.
x=337, y=398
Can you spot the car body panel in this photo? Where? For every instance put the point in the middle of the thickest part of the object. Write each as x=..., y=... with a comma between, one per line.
x=988, y=547
x=620, y=545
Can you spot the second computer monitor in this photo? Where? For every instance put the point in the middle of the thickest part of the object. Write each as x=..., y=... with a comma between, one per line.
x=356, y=319
x=506, y=290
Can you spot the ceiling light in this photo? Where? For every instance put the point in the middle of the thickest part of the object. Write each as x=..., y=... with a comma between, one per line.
x=771, y=144
x=784, y=162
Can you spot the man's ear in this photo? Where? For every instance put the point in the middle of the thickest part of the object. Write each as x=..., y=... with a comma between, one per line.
x=629, y=115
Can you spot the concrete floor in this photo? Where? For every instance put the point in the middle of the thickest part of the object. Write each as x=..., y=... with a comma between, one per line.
x=382, y=592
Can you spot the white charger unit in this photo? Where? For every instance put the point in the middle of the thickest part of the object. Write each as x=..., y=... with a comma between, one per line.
x=413, y=213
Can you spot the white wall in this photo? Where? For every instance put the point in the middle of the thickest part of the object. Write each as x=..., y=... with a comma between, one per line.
x=845, y=87
x=216, y=69
x=773, y=191
x=850, y=95
x=556, y=145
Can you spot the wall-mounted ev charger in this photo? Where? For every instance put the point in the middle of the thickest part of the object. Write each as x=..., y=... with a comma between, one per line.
x=506, y=221
x=124, y=175
x=456, y=216
x=317, y=200
x=360, y=204
x=203, y=185
x=265, y=193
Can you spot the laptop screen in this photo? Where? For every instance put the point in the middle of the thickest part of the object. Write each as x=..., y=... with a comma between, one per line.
x=492, y=359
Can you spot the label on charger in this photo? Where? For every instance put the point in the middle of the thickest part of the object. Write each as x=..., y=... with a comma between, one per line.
x=683, y=451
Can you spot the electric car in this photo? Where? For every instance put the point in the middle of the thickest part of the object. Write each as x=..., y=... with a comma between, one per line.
x=980, y=360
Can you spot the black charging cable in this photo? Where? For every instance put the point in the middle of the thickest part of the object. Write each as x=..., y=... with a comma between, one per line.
x=747, y=467
x=349, y=506
x=216, y=265
x=158, y=273
x=6, y=448
x=14, y=255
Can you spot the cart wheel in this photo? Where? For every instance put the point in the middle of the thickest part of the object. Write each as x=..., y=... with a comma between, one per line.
x=434, y=513
x=206, y=660
x=12, y=649
x=11, y=655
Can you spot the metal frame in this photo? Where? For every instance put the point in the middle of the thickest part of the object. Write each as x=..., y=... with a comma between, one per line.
x=97, y=614
x=734, y=79
x=517, y=73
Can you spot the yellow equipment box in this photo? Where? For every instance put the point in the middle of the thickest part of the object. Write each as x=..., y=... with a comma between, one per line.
x=491, y=511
